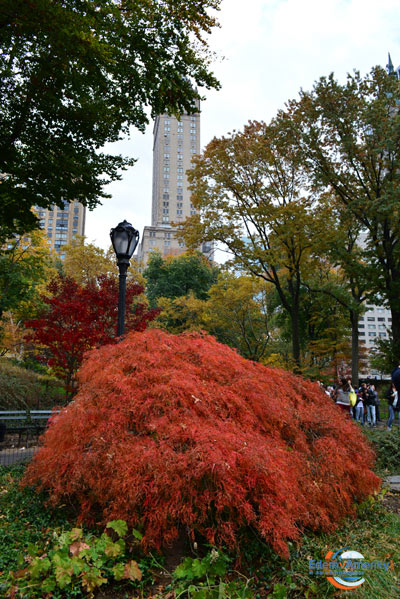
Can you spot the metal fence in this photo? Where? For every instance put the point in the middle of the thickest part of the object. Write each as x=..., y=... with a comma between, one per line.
x=19, y=434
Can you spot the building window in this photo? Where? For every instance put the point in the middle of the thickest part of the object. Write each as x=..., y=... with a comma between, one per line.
x=371, y=334
x=165, y=211
x=192, y=212
x=179, y=170
x=371, y=318
x=76, y=210
x=179, y=177
x=181, y=244
x=361, y=333
x=179, y=204
x=382, y=326
x=382, y=334
x=165, y=203
x=179, y=211
x=179, y=197
x=166, y=169
x=361, y=325
x=165, y=196
x=372, y=326
x=165, y=219
x=152, y=234
x=381, y=320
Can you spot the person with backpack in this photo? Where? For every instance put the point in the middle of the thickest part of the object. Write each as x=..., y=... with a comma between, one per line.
x=393, y=404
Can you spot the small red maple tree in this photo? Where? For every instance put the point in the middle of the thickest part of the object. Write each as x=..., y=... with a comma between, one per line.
x=179, y=432
x=78, y=318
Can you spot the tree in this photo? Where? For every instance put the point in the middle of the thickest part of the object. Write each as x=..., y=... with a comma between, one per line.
x=85, y=262
x=25, y=264
x=249, y=191
x=180, y=314
x=238, y=313
x=177, y=276
x=78, y=318
x=180, y=433
x=75, y=76
x=349, y=142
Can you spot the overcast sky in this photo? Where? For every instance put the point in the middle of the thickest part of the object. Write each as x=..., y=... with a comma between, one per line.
x=271, y=49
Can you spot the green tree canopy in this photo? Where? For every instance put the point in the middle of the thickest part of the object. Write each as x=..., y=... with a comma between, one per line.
x=249, y=190
x=76, y=75
x=349, y=141
x=178, y=276
x=25, y=266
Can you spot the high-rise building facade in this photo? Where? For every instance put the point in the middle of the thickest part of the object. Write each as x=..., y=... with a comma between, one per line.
x=175, y=142
x=62, y=224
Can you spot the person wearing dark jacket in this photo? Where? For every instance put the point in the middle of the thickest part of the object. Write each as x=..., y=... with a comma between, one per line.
x=396, y=378
x=371, y=402
x=392, y=397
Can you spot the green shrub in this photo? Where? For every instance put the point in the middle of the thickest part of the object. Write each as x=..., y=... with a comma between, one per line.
x=387, y=446
x=21, y=389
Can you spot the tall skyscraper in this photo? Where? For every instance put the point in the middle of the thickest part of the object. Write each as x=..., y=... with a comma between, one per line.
x=62, y=224
x=175, y=142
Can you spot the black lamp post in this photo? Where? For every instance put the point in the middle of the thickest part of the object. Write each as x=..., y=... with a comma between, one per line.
x=124, y=239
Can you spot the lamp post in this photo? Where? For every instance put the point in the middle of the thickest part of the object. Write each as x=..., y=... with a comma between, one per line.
x=124, y=239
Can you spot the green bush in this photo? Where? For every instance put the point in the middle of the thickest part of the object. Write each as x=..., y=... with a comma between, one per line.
x=21, y=389
x=387, y=446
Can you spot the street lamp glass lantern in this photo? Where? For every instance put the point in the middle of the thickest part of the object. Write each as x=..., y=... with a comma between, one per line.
x=124, y=239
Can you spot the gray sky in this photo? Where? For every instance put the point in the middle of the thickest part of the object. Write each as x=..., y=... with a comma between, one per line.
x=271, y=49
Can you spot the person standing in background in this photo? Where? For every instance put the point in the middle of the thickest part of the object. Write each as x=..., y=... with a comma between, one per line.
x=392, y=397
x=372, y=397
x=342, y=396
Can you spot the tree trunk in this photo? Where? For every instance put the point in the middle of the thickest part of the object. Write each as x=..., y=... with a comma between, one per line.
x=354, y=347
x=396, y=333
x=294, y=316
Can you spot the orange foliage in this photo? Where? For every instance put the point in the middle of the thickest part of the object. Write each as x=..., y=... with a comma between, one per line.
x=179, y=431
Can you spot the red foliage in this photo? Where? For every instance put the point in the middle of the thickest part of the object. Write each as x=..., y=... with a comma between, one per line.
x=78, y=318
x=171, y=432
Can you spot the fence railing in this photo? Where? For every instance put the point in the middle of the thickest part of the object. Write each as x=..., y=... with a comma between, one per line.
x=19, y=434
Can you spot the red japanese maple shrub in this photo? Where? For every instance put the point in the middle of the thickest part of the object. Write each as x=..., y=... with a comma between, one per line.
x=173, y=432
